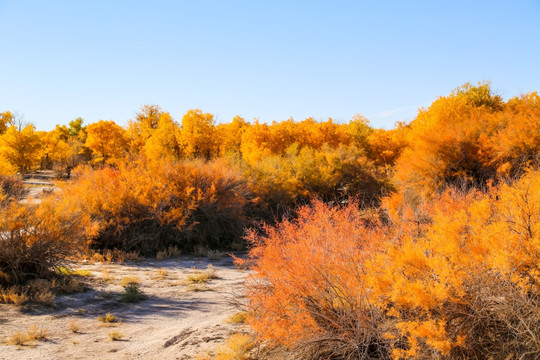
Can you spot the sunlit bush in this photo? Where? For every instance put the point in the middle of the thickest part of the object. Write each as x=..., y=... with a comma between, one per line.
x=309, y=291
x=11, y=188
x=453, y=277
x=467, y=286
x=36, y=239
x=150, y=205
x=326, y=173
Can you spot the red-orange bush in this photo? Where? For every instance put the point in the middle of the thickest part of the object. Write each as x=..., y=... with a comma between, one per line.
x=309, y=290
x=453, y=277
x=466, y=285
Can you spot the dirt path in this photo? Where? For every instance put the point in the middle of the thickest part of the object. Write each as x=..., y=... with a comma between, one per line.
x=37, y=185
x=174, y=322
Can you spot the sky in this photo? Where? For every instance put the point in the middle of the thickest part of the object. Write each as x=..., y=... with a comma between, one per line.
x=270, y=60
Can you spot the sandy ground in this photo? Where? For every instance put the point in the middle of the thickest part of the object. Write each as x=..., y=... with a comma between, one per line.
x=172, y=323
x=37, y=187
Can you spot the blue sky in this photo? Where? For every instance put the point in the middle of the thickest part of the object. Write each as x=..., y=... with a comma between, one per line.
x=259, y=59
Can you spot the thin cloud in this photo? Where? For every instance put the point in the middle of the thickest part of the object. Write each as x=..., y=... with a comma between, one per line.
x=388, y=113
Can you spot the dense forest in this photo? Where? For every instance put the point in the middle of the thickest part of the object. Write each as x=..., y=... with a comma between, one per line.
x=417, y=242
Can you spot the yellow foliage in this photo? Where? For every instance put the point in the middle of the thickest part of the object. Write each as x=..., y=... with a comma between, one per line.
x=197, y=138
x=20, y=149
x=6, y=120
x=163, y=202
x=107, y=141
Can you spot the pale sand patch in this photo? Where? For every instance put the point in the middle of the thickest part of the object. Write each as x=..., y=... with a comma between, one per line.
x=172, y=323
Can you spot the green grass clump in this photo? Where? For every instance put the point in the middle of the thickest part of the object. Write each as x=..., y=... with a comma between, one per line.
x=132, y=294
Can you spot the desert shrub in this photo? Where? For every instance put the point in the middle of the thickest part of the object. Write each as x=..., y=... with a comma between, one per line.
x=108, y=318
x=132, y=294
x=41, y=291
x=149, y=206
x=73, y=326
x=467, y=287
x=35, y=239
x=452, y=277
x=309, y=291
x=469, y=138
x=12, y=188
x=28, y=337
x=237, y=318
x=328, y=173
x=205, y=276
x=237, y=347
x=115, y=336
x=171, y=251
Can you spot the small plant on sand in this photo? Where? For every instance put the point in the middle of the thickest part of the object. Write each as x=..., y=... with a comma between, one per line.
x=161, y=274
x=28, y=337
x=44, y=298
x=198, y=287
x=203, y=251
x=107, y=276
x=132, y=294
x=237, y=347
x=215, y=254
x=69, y=285
x=128, y=280
x=116, y=336
x=108, y=318
x=202, y=276
x=237, y=318
x=13, y=295
x=73, y=326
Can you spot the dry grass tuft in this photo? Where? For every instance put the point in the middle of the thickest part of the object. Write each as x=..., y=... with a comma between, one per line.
x=44, y=298
x=73, y=326
x=107, y=276
x=161, y=274
x=203, y=356
x=129, y=280
x=68, y=285
x=237, y=318
x=28, y=337
x=108, y=318
x=202, y=276
x=237, y=347
x=115, y=255
x=116, y=336
x=13, y=295
x=198, y=288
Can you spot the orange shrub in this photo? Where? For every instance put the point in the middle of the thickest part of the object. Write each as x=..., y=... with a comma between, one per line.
x=309, y=290
x=11, y=188
x=35, y=239
x=149, y=205
x=326, y=173
x=464, y=284
x=453, y=277
x=469, y=138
